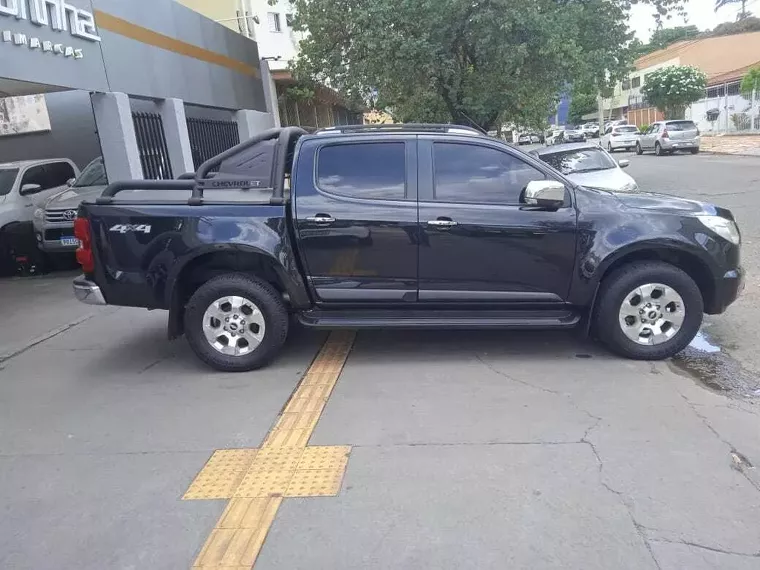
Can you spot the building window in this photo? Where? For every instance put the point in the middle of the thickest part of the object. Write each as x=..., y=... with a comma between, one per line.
x=289, y=20
x=733, y=88
x=626, y=84
x=636, y=82
x=715, y=92
x=274, y=22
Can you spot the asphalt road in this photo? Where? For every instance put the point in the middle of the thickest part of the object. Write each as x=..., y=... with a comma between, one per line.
x=467, y=450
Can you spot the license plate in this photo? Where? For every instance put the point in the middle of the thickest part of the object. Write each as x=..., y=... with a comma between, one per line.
x=69, y=241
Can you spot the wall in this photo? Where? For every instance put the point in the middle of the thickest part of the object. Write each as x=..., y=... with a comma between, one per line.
x=272, y=44
x=149, y=48
x=645, y=116
x=727, y=107
x=217, y=10
x=72, y=133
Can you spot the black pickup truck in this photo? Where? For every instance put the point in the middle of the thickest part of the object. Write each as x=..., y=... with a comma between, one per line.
x=402, y=226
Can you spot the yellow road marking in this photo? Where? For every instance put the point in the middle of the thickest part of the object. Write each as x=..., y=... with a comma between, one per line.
x=256, y=480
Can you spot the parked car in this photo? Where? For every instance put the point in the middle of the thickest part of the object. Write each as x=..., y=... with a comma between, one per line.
x=620, y=136
x=573, y=134
x=22, y=185
x=553, y=136
x=54, y=220
x=588, y=165
x=467, y=232
x=523, y=139
x=591, y=130
x=536, y=138
x=666, y=137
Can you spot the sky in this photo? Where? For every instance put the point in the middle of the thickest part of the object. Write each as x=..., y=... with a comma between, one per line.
x=701, y=13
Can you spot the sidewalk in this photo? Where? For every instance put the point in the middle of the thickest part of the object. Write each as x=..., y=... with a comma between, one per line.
x=748, y=145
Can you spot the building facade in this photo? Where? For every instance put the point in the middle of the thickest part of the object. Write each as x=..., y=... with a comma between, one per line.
x=270, y=25
x=724, y=59
x=156, y=80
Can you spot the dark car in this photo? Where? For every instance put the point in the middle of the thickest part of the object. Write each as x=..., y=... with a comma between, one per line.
x=402, y=226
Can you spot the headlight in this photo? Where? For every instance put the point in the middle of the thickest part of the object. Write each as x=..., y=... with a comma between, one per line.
x=39, y=213
x=630, y=187
x=726, y=229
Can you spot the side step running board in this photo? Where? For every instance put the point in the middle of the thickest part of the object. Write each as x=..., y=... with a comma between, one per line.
x=439, y=319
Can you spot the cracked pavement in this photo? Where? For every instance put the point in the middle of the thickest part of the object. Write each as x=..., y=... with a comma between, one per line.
x=469, y=449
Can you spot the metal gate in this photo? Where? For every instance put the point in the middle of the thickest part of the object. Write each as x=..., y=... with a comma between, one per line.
x=151, y=142
x=210, y=137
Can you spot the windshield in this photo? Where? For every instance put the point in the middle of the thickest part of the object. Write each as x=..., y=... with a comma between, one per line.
x=7, y=178
x=94, y=174
x=577, y=161
x=626, y=130
x=681, y=126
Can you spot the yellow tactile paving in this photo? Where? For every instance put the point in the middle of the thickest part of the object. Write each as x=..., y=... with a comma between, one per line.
x=256, y=479
x=221, y=475
x=236, y=547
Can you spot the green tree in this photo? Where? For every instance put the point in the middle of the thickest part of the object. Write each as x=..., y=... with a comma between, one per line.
x=581, y=103
x=465, y=61
x=750, y=83
x=671, y=89
x=663, y=37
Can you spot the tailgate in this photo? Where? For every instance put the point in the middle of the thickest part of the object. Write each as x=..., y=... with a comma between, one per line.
x=682, y=130
x=140, y=248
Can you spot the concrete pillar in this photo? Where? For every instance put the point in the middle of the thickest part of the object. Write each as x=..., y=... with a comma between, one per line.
x=177, y=138
x=270, y=92
x=116, y=129
x=251, y=123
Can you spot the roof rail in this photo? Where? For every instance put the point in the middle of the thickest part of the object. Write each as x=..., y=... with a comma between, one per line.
x=402, y=127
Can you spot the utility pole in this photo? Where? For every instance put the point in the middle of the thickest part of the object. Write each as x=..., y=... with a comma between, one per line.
x=600, y=110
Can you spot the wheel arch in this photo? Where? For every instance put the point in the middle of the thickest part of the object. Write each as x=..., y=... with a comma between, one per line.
x=687, y=261
x=209, y=263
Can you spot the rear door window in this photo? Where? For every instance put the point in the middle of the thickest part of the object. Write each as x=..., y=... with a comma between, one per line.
x=363, y=170
x=7, y=178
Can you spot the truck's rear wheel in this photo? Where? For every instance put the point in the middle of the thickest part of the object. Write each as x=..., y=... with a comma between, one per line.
x=648, y=310
x=236, y=323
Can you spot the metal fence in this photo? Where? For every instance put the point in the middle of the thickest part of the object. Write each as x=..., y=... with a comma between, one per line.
x=151, y=142
x=210, y=137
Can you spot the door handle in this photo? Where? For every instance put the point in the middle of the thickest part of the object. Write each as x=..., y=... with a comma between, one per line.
x=321, y=219
x=442, y=223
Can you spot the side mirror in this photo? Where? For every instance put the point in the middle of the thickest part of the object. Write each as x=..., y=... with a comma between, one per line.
x=624, y=163
x=30, y=189
x=70, y=181
x=548, y=194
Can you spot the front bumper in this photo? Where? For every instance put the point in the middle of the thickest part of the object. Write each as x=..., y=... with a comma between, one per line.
x=49, y=236
x=727, y=289
x=87, y=292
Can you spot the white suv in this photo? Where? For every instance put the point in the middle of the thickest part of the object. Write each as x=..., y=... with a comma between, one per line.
x=23, y=185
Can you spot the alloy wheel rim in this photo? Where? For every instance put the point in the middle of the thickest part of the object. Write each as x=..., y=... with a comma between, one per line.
x=234, y=325
x=652, y=314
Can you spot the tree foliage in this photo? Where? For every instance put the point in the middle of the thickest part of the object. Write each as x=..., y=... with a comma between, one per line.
x=750, y=83
x=582, y=103
x=465, y=61
x=671, y=89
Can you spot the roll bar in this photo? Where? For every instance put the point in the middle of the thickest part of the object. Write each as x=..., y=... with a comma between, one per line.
x=286, y=138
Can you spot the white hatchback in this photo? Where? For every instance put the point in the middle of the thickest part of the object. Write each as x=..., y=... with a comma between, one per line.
x=620, y=136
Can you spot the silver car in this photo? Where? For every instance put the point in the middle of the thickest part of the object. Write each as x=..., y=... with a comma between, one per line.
x=666, y=137
x=54, y=221
x=589, y=165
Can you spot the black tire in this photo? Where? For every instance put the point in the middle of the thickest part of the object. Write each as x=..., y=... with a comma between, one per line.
x=657, y=149
x=622, y=281
x=695, y=150
x=259, y=292
x=639, y=150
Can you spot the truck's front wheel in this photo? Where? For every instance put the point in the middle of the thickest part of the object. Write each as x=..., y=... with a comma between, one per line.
x=648, y=310
x=236, y=323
